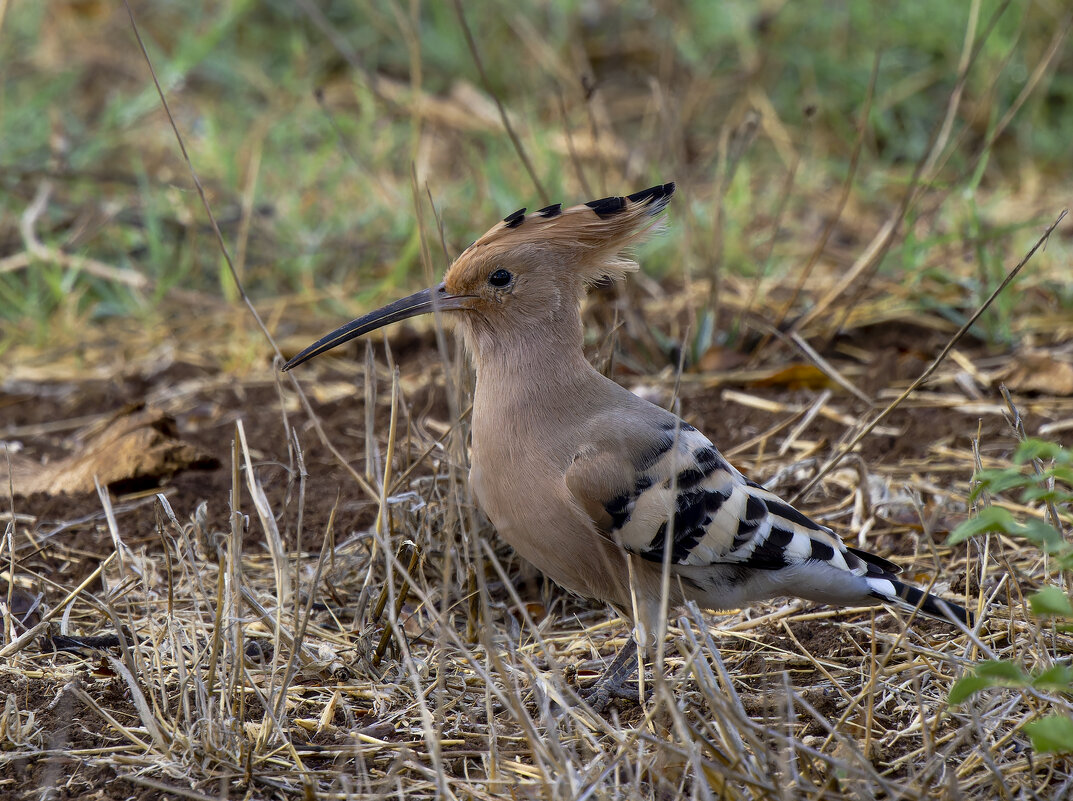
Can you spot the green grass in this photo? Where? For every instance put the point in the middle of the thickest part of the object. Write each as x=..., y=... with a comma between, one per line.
x=318, y=195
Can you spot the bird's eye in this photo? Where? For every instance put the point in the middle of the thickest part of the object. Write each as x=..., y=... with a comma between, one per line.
x=500, y=278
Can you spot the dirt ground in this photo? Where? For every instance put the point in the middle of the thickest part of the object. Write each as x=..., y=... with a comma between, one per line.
x=60, y=539
x=46, y=418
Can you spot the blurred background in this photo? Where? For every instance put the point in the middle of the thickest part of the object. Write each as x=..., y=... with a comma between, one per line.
x=855, y=180
x=336, y=140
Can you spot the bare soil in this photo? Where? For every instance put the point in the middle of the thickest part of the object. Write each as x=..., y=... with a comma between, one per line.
x=71, y=537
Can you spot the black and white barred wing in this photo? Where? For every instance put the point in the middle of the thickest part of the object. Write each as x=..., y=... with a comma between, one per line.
x=678, y=492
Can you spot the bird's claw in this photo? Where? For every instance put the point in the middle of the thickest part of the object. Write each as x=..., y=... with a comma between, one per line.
x=602, y=692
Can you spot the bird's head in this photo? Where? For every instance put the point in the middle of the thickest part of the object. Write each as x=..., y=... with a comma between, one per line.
x=525, y=274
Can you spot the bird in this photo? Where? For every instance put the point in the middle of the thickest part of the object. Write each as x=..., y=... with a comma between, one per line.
x=597, y=487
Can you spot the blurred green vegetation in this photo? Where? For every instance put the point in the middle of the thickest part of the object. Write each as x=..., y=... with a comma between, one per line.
x=306, y=121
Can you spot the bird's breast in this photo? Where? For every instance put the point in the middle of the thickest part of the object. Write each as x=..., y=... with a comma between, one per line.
x=528, y=502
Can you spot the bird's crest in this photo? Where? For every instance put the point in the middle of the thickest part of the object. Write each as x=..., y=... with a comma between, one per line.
x=587, y=239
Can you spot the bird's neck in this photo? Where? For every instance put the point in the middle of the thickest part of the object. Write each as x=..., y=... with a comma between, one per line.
x=542, y=358
x=533, y=373
x=536, y=380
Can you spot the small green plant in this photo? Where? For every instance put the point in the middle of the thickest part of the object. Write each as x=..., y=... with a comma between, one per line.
x=1050, y=483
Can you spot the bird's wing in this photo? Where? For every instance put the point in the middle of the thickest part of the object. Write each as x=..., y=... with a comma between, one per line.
x=649, y=481
x=667, y=486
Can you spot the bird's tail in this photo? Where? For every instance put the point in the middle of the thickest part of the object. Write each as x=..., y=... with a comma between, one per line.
x=891, y=591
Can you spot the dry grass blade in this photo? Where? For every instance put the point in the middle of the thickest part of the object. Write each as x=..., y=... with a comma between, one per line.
x=930, y=370
x=827, y=368
x=868, y=262
x=31, y=634
x=230, y=264
x=36, y=251
x=408, y=555
x=148, y=720
x=316, y=658
x=1018, y=425
x=273, y=539
x=847, y=187
x=518, y=148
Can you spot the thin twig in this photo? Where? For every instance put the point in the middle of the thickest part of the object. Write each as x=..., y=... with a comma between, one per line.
x=518, y=148
x=864, y=432
x=234, y=272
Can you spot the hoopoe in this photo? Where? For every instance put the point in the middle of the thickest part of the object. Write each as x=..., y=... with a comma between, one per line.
x=598, y=488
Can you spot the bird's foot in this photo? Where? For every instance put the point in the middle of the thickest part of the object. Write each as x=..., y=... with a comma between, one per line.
x=613, y=682
x=602, y=692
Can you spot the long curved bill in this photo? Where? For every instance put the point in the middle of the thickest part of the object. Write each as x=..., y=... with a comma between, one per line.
x=427, y=300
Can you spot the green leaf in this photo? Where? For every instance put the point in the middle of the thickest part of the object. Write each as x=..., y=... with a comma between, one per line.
x=988, y=674
x=993, y=518
x=1044, y=494
x=1041, y=533
x=1002, y=671
x=1041, y=449
x=1050, y=601
x=966, y=687
x=1002, y=480
x=1001, y=520
x=1051, y=735
x=1062, y=475
x=1058, y=678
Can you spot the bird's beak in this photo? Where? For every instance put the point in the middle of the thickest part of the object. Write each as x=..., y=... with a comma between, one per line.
x=436, y=299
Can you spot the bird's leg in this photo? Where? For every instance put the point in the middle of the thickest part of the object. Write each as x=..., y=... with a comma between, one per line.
x=613, y=682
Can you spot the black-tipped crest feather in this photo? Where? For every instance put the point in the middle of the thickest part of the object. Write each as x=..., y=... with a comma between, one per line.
x=607, y=206
x=655, y=196
x=658, y=196
x=515, y=219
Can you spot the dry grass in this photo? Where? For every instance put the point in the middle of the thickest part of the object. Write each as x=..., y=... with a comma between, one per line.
x=409, y=655
x=251, y=668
